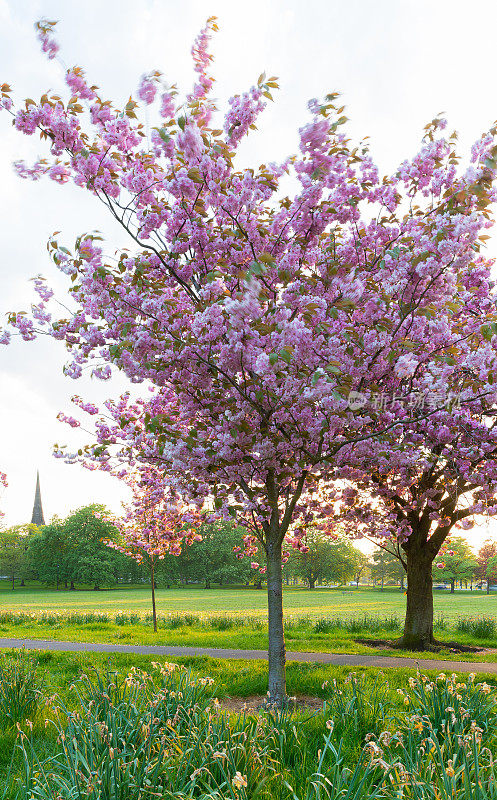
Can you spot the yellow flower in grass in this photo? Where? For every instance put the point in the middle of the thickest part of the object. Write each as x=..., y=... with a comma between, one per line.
x=239, y=781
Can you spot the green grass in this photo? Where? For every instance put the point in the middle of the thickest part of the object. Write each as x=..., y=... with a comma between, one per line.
x=324, y=620
x=318, y=603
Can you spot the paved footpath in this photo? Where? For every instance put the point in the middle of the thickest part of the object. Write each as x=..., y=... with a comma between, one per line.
x=338, y=659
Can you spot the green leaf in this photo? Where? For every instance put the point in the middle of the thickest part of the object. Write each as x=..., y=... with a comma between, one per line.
x=487, y=332
x=286, y=355
x=256, y=269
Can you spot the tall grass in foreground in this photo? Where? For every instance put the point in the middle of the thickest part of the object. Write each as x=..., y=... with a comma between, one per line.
x=21, y=691
x=140, y=736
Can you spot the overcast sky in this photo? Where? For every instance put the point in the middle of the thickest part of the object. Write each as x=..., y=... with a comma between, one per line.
x=397, y=64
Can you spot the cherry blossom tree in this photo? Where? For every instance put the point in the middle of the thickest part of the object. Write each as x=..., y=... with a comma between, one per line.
x=153, y=526
x=265, y=325
x=410, y=496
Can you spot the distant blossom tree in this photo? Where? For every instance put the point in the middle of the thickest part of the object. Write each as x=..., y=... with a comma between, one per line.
x=153, y=526
x=266, y=326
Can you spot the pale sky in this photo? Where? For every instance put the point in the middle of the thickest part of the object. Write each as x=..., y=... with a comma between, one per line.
x=397, y=64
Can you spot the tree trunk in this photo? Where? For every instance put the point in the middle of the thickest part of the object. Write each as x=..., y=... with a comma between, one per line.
x=418, y=626
x=312, y=583
x=382, y=584
x=207, y=584
x=72, y=586
x=276, y=650
x=452, y=586
x=22, y=582
x=488, y=587
x=13, y=581
x=154, y=613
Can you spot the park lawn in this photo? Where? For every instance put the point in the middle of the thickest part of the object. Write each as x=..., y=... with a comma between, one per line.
x=317, y=603
x=234, y=618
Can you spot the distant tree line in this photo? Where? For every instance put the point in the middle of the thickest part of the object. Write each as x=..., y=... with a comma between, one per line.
x=70, y=553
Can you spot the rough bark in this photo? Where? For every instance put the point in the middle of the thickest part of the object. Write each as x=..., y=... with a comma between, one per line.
x=418, y=626
x=276, y=650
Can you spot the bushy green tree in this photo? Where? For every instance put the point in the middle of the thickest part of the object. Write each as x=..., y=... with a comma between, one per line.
x=361, y=566
x=323, y=559
x=487, y=551
x=212, y=560
x=386, y=566
x=491, y=572
x=47, y=554
x=459, y=562
x=14, y=548
x=72, y=550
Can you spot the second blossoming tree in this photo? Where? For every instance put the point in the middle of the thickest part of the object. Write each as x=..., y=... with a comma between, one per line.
x=411, y=493
x=153, y=525
x=266, y=325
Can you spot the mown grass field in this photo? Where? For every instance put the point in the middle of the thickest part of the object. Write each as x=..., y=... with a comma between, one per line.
x=318, y=603
x=319, y=621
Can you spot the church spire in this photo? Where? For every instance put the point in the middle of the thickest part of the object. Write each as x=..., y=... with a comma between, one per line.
x=37, y=517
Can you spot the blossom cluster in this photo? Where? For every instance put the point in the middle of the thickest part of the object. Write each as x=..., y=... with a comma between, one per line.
x=249, y=317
